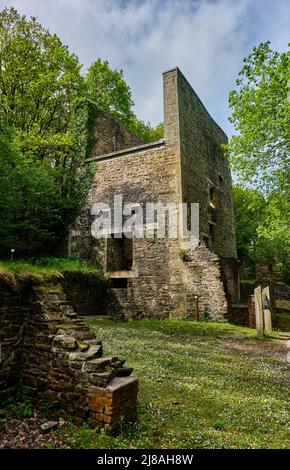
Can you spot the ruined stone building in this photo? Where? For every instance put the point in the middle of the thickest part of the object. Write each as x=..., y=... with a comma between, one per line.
x=156, y=277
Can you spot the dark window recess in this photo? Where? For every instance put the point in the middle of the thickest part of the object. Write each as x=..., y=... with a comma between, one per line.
x=212, y=197
x=119, y=254
x=213, y=214
x=119, y=283
x=211, y=231
x=205, y=240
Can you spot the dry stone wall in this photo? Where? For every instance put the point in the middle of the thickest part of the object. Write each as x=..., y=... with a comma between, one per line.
x=86, y=292
x=203, y=280
x=110, y=136
x=13, y=317
x=50, y=351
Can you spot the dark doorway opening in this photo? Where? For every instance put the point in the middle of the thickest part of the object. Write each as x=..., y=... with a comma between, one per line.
x=119, y=254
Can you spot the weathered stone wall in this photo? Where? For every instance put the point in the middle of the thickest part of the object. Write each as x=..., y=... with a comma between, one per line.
x=201, y=167
x=57, y=360
x=206, y=179
x=204, y=280
x=13, y=316
x=146, y=175
x=86, y=292
x=183, y=169
x=205, y=166
x=111, y=136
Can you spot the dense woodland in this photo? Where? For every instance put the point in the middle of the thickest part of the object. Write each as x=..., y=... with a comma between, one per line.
x=43, y=142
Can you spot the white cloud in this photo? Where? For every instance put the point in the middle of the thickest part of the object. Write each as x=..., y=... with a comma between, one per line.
x=207, y=39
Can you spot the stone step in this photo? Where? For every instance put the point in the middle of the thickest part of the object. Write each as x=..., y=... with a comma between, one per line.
x=97, y=364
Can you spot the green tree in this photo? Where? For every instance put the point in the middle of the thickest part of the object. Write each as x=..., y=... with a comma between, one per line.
x=260, y=155
x=108, y=89
x=29, y=200
x=261, y=116
x=43, y=139
x=262, y=228
x=148, y=133
x=39, y=81
x=249, y=206
x=39, y=201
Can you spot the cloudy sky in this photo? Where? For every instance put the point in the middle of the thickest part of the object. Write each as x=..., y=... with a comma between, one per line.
x=206, y=39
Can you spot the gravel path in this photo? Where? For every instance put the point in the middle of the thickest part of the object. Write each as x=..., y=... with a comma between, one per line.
x=26, y=433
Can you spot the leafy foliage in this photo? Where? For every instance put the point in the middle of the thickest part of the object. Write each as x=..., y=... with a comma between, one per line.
x=261, y=116
x=20, y=405
x=184, y=256
x=108, y=89
x=262, y=228
x=43, y=136
x=260, y=156
x=248, y=208
x=38, y=200
x=148, y=133
x=39, y=81
x=29, y=201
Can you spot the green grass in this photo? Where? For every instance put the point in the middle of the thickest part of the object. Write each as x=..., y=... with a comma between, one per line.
x=202, y=385
x=49, y=265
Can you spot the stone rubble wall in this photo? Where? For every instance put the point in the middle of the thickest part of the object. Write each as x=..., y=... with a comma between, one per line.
x=151, y=178
x=203, y=279
x=183, y=168
x=204, y=167
x=111, y=136
x=13, y=316
x=60, y=362
x=86, y=292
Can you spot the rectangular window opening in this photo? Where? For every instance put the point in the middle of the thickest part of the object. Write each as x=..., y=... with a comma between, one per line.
x=119, y=254
x=212, y=197
x=119, y=283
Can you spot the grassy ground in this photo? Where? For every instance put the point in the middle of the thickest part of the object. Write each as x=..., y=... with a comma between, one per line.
x=49, y=265
x=202, y=385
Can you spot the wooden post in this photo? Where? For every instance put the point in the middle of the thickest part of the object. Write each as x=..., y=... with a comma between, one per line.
x=259, y=311
x=266, y=309
x=251, y=311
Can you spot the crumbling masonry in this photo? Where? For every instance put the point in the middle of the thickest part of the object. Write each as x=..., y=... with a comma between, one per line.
x=49, y=354
x=148, y=277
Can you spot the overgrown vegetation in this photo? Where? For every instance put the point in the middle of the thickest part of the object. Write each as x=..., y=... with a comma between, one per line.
x=184, y=256
x=259, y=235
x=47, y=108
x=20, y=406
x=42, y=179
x=108, y=88
x=48, y=265
x=202, y=385
x=260, y=156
